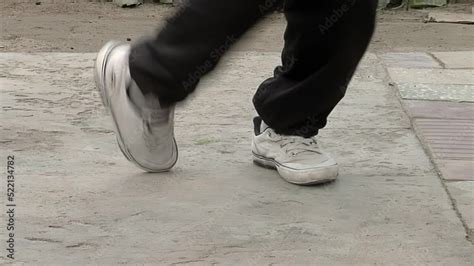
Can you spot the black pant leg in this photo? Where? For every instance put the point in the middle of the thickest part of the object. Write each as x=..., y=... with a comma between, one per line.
x=324, y=42
x=190, y=44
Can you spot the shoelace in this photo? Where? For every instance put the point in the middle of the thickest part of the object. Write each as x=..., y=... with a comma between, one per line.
x=295, y=145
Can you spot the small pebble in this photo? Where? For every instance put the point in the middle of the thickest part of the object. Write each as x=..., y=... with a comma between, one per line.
x=129, y=39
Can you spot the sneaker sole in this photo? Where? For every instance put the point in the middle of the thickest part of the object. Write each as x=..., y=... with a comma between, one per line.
x=315, y=177
x=99, y=71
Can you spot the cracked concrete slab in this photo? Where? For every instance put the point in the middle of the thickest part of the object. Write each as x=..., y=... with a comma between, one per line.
x=80, y=201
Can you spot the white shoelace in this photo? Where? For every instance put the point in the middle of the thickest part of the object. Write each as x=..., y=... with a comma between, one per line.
x=295, y=145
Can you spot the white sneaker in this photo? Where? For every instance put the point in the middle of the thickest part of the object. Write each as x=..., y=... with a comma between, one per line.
x=298, y=160
x=144, y=130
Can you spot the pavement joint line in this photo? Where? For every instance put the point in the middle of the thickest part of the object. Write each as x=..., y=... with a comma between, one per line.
x=441, y=63
x=469, y=232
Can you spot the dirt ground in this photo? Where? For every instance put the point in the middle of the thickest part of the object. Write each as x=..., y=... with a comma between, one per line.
x=84, y=27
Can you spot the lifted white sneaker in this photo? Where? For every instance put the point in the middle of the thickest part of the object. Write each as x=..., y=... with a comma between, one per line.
x=144, y=131
x=298, y=160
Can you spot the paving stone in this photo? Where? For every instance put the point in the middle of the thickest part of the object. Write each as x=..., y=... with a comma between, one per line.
x=456, y=170
x=437, y=92
x=432, y=76
x=439, y=109
x=409, y=60
x=450, y=17
x=447, y=138
x=462, y=59
x=463, y=195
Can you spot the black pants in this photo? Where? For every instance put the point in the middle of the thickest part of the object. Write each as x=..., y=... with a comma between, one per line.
x=324, y=42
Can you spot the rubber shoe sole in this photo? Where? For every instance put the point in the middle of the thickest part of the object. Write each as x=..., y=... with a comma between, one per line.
x=299, y=177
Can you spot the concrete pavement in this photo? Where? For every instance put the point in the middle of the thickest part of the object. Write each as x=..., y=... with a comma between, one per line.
x=79, y=201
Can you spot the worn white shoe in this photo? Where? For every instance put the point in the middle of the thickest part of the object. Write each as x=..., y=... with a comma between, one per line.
x=298, y=160
x=144, y=130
